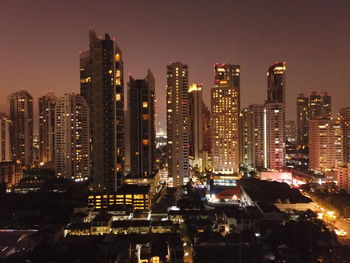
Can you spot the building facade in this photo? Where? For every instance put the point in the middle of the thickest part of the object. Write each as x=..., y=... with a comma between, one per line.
x=177, y=123
x=225, y=102
x=325, y=145
x=244, y=136
x=141, y=107
x=345, y=126
x=5, y=138
x=10, y=173
x=256, y=135
x=102, y=86
x=21, y=115
x=47, y=105
x=72, y=157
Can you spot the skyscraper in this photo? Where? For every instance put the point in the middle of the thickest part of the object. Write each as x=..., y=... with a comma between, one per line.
x=207, y=149
x=5, y=141
x=326, y=102
x=325, y=144
x=225, y=102
x=315, y=106
x=177, y=123
x=345, y=126
x=195, y=101
x=72, y=157
x=102, y=86
x=47, y=105
x=21, y=115
x=276, y=82
x=274, y=117
x=302, y=120
x=141, y=107
x=291, y=131
x=256, y=135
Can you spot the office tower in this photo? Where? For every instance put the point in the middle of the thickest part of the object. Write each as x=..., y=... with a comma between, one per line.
x=274, y=117
x=276, y=82
x=315, y=106
x=302, y=120
x=325, y=144
x=177, y=123
x=256, y=136
x=195, y=106
x=47, y=105
x=244, y=134
x=345, y=126
x=274, y=136
x=5, y=138
x=127, y=150
x=207, y=140
x=21, y=115
x=72, y=157
x=141, y=106
x=101, y=84
x=291, y=131
x=326, y=102
x=225, y=102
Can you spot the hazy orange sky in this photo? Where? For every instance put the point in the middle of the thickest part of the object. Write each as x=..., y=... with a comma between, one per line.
x=40, y=43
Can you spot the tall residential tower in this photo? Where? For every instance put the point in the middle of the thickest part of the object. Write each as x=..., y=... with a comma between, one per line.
x=178, y=123
x=225, y=103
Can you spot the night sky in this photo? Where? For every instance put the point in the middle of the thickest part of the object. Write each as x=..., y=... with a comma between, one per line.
x=40, y=43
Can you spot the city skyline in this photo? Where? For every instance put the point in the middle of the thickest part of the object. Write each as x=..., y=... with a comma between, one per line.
x=321, y=42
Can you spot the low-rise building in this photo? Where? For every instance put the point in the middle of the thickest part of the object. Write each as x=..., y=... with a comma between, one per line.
x=101, y=224
x=10, y=173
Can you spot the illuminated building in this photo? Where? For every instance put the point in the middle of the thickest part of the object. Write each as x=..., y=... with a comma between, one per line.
x=256, y=135
x=141, y=108
x=343, y=177
x=244, y=136
x=152, y=181
x=136, y=195
x=225, y=103
x=195, y=101
x=5, y=138
x=274, y=136
x=72, y=137
x=47, y=127
x=274, y=117
x=276, y=82
x=345, y=125
x=326, y=109
x=101, y=84
x=177, y=123
x=21, y=115
x=10, y=173
x=291, y=131
x=325, y=145
x=302, y=120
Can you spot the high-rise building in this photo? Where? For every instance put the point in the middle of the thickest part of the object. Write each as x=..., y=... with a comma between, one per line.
x=195, y=106
x=315, y=106
x=141, y=107
x=256, y=135
x=326, y=105
x=21, y=115
x=302, y=120
x=72, y=157
x=345, y=126
x=276, y=82
x=5, y=138
x=274, y=136
x=225, y=102
x=291, y=131
x=325, y=144
x=244, y=136
x=274, y=117
x=177, y=123
x=102, y=86
x=47, y=105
